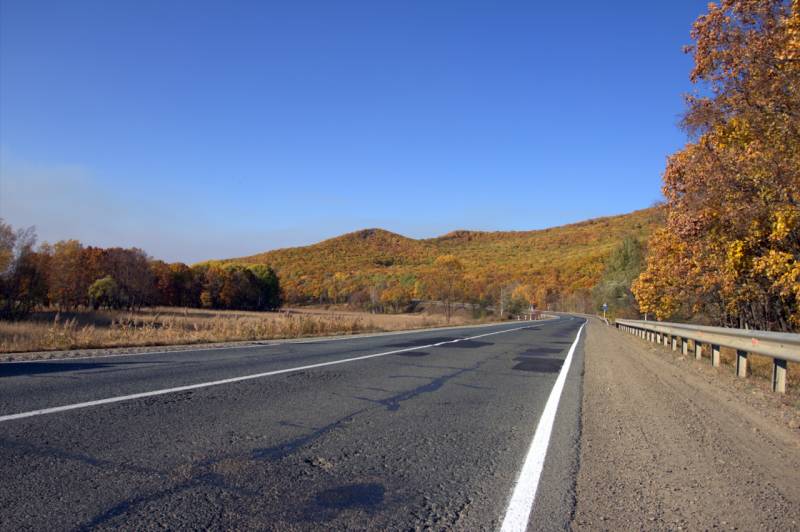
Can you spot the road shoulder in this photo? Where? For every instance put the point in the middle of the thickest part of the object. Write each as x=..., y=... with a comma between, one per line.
x=663, y=448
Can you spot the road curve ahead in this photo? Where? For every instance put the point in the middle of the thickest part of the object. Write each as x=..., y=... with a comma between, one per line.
x=430, y=429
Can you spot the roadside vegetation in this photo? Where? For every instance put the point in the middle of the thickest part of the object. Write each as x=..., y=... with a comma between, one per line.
x=52, y=330
x=729, y=253
x=68, y=276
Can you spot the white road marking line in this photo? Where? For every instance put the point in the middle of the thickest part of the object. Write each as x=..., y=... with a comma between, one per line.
x=141, y=395
x=521, y=503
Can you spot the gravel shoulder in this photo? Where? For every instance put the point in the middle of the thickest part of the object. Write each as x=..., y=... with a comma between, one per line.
x=669, y=445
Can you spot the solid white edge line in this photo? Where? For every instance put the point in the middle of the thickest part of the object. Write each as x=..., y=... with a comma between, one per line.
x=521, y=503
x=141, y=395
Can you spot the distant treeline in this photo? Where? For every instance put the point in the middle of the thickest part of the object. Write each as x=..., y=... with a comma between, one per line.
x=69, y=275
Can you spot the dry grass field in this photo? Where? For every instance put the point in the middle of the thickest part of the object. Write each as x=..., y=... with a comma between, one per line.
x=46, y=331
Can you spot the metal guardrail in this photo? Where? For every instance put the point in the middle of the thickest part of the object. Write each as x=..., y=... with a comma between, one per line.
x=781, y=347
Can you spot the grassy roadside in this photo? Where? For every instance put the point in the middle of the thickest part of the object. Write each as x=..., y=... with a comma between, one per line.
x=51, y=331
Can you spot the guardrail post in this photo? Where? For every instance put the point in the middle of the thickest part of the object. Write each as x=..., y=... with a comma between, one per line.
x=778, y=375
x=781, y=347
x=741, y=363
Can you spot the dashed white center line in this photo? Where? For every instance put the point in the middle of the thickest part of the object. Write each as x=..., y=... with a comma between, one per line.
x=130, y=397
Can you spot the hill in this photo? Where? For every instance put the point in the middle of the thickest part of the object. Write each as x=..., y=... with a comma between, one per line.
x=565, y=260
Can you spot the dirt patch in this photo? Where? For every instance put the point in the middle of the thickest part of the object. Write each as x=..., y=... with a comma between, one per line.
x=668, y=444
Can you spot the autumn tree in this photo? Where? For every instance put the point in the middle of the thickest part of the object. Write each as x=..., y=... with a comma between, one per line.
x=522, y=297
x=22, y=272
x=67, y=280
x=336, y=287
x=131, y=270
x=238, y=288
x=94, y=262
x=446, y=281
x=730, y=249
x=396, y=297
x=104, y=292
x=8, y=239
x=268, y=287
x=214, y=280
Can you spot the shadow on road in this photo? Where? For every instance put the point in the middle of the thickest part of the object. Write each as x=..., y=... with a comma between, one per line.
x=38, y=368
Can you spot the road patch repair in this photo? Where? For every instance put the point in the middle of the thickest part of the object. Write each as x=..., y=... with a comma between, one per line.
x=346, y=434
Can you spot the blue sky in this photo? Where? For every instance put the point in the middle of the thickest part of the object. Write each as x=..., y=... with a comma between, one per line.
x=202, y=130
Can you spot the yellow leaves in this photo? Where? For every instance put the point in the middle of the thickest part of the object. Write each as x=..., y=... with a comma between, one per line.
x=792, y=52
x=783, y=271
x=527, y=293
x=785, y=222
x=735, y=133
x=659, y=290
x=736, y=256
x=448, y=263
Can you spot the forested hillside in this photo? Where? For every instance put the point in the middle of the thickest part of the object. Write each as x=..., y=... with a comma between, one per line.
x=555, y=267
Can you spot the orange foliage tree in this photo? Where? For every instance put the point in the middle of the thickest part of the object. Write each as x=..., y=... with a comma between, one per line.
x=731, y=246
x=447, y=281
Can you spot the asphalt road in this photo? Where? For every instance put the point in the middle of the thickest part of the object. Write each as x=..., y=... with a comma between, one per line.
x=421, y=436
